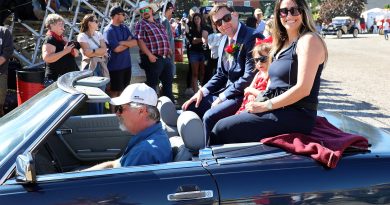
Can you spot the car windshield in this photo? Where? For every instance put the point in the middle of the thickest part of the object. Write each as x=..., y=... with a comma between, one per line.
x=16, y=126
x=339, y=21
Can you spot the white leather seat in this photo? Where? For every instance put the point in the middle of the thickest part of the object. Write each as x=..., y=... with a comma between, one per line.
x=168, y=115
x=191, y=139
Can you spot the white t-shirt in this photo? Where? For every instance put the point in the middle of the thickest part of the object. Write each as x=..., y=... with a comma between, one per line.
x=386, y=26
x=97, y=36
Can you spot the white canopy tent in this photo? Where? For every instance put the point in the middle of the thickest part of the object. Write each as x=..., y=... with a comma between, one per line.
x=375, y=13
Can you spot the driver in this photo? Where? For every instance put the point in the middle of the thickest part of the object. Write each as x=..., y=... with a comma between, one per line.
x=138, y=114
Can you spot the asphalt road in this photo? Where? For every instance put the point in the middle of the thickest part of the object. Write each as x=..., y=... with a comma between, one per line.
x=355, y=81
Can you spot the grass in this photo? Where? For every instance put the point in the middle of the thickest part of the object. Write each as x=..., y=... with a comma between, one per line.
x=179, y=83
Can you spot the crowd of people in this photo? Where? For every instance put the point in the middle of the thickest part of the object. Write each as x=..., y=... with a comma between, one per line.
x=248, y=81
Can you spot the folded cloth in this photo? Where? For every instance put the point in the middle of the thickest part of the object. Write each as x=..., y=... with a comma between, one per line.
x=325, y=143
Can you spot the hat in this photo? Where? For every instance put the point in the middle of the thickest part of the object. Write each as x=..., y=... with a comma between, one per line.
x=258, y=11
x=116, y=10
x=144, y=4
x=137, y=92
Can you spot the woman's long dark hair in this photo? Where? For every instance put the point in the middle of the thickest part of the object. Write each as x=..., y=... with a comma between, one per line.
x=279, y=34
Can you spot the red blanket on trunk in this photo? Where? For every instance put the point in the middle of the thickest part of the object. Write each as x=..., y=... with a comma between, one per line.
x=325, y=143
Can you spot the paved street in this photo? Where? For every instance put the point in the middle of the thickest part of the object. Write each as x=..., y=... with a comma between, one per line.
x=356, y=79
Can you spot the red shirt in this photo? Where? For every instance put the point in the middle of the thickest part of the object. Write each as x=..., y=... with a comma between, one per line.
x=258, y=83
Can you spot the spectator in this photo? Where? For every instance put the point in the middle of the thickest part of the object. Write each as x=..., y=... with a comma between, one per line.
x=214, y=39
x=94, y=52
x=386, y=28
x=138, y=114
x=196, y=38
x=58, y=53
x=251, y=22
x=223, y=94
x=362, y=24
x=260, y=23
x=118, y=39
x=290, y=103
x=156, y=55
x=6, y=52
x=268, y=28
x=168, y=16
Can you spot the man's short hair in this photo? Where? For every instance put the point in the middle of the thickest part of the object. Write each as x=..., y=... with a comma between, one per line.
x=219, y=6
x=153, y=112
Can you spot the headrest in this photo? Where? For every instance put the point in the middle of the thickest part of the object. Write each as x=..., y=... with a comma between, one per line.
x=167, y=111
x=190, y=128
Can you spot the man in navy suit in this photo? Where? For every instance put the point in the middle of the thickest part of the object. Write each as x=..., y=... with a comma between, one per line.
x=223, y=94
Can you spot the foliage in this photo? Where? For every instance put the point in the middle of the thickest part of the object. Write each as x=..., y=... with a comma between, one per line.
x=184, y=6
x=387, y=6
x=332, y=8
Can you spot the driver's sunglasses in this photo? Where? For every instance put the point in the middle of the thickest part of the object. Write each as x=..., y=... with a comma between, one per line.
x=118, y=109
x=226, y=18
x=261, y=59
x=294, y=11
x=144, y=10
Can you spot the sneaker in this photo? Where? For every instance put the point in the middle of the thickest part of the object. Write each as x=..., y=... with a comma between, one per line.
x=189, y=91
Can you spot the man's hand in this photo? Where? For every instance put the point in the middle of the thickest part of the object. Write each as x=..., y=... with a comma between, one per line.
x=216, y=102
x=197, y=98
x=152, y=58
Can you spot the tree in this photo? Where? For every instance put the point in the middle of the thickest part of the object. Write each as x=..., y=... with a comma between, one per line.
x=332, y=8
x=184, y=6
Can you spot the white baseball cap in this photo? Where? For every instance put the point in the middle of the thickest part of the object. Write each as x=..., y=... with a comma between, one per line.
x=137, y=92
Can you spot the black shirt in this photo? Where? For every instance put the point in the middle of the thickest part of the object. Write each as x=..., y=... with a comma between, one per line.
x=65, y=64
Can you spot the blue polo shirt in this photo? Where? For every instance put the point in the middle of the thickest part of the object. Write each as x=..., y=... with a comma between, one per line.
x=151, y=146
x=113, y=35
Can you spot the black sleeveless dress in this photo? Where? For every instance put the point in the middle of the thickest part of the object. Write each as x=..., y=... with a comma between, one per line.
x=298, y=117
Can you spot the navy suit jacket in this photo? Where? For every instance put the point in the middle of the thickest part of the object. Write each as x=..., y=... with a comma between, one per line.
x=234, y=80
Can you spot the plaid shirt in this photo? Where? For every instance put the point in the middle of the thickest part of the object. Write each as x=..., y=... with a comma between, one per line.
x=154, y=35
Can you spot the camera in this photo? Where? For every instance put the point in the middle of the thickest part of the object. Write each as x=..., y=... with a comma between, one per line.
x=75, y=43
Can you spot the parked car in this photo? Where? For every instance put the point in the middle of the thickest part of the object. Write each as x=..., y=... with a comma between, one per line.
x=46, y=141
x=339, y=26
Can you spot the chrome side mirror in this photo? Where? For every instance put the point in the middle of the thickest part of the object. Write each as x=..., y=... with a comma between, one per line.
x=25, y=169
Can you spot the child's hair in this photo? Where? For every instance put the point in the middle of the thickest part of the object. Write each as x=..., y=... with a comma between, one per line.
x=263, y=47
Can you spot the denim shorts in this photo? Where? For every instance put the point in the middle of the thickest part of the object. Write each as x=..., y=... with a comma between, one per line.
x=195, y=57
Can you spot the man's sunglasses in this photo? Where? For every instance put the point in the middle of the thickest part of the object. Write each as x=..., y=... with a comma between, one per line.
x=261, y=59
x=144, y=10
x=226, y=18
x=118, y=109
x=294, y=11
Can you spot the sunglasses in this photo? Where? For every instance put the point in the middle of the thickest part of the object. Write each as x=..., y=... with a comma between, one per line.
x=226, y=18
x=144, y=10
x=294, y=11
x=94, y=20
x=261, y=59
x=118, y=109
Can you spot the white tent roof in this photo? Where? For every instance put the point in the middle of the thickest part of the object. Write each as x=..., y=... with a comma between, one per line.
x=374, y=10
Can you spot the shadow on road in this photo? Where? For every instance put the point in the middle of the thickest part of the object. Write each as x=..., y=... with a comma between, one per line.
x=334, y=99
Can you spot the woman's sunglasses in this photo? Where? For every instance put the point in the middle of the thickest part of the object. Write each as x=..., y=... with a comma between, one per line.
x=226, y=18
x=261, y=59
x=94, y=20
x=144, y=10
x=294, y=11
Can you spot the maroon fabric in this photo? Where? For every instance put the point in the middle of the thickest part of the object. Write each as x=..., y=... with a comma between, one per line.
x=325, y=143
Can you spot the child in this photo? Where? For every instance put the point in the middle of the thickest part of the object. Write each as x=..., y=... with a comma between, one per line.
x=260, y=55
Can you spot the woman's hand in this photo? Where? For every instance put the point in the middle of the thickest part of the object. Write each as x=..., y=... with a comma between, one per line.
x=256, y=107
x=68, y=47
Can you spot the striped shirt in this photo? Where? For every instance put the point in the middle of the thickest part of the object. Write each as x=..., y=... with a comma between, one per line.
x=154, y=35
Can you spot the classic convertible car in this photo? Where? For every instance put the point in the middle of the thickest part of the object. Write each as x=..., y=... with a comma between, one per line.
x=47, y=141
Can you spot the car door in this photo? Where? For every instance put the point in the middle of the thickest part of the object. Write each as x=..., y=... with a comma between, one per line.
x=292, y=179
x=171, y=183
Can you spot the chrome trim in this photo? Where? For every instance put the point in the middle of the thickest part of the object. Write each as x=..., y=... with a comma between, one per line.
x=66, y=81
x=190, y=195
x=107, y=172
x=252, y=158
x=206, y=153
